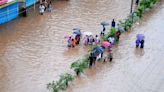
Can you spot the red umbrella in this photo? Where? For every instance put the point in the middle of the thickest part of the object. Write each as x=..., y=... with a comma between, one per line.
x=106, y=44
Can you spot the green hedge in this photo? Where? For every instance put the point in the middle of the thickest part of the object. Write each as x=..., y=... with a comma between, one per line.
x=137, y=14
x=61, y=84
x=80, y=65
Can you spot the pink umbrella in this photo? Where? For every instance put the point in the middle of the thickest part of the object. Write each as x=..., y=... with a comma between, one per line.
x=106, y=44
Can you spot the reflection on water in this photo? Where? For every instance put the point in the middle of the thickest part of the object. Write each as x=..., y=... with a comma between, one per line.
x=139, y=52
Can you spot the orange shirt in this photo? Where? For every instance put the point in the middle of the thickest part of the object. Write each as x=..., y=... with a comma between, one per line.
x=74, y=42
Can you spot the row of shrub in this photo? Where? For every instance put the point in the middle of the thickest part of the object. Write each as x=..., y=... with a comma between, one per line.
x=137, y=14
x=80, y=65
x=62, y=83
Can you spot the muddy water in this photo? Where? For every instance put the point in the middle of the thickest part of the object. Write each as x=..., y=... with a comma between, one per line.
x=133, y=70
x=33, y=50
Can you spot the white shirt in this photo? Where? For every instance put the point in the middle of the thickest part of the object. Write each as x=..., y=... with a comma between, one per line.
x=41, y=7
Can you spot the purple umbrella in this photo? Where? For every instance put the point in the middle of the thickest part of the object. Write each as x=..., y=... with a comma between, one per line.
x=140, y=37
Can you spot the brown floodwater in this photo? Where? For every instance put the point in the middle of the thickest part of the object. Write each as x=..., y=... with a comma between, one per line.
x=132, y=70
x=33, y=50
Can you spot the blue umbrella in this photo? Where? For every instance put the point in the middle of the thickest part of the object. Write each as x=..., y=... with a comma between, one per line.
x=140, y=37
x=104, y=23
x=77, y=32
x=96, y=51
x=100, y=48
x=77, y=29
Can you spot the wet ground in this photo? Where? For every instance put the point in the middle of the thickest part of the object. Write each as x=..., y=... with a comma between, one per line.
x=33, y=51
x=133, y=70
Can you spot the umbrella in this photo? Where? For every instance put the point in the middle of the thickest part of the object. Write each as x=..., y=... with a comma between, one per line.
x=88, y=33
x=77, y=29
x=95, y=53
x=121, y=29
x=140, y=37
x=104, y=23
x=77, y=32
x=106, y=44
x=98, y=50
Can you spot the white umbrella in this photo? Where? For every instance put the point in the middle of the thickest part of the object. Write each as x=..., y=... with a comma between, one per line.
x=88, y=33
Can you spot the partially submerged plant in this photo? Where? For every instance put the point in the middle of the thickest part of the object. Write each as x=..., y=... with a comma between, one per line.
x=79, y=66
x=54, y=86
x=141, y=9
x=104, y=37
x=112, y=31
x=66, y=78
x=62, y=84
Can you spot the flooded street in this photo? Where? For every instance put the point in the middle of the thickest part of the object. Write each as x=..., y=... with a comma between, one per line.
x=133, y=70
x=33, y=50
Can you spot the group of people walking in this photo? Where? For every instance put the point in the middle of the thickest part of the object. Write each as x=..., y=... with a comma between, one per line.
x=45, y=6
x=74, y=40
x=111, y=38
x=90, y=40
x=97, y=53
x=113, y=24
